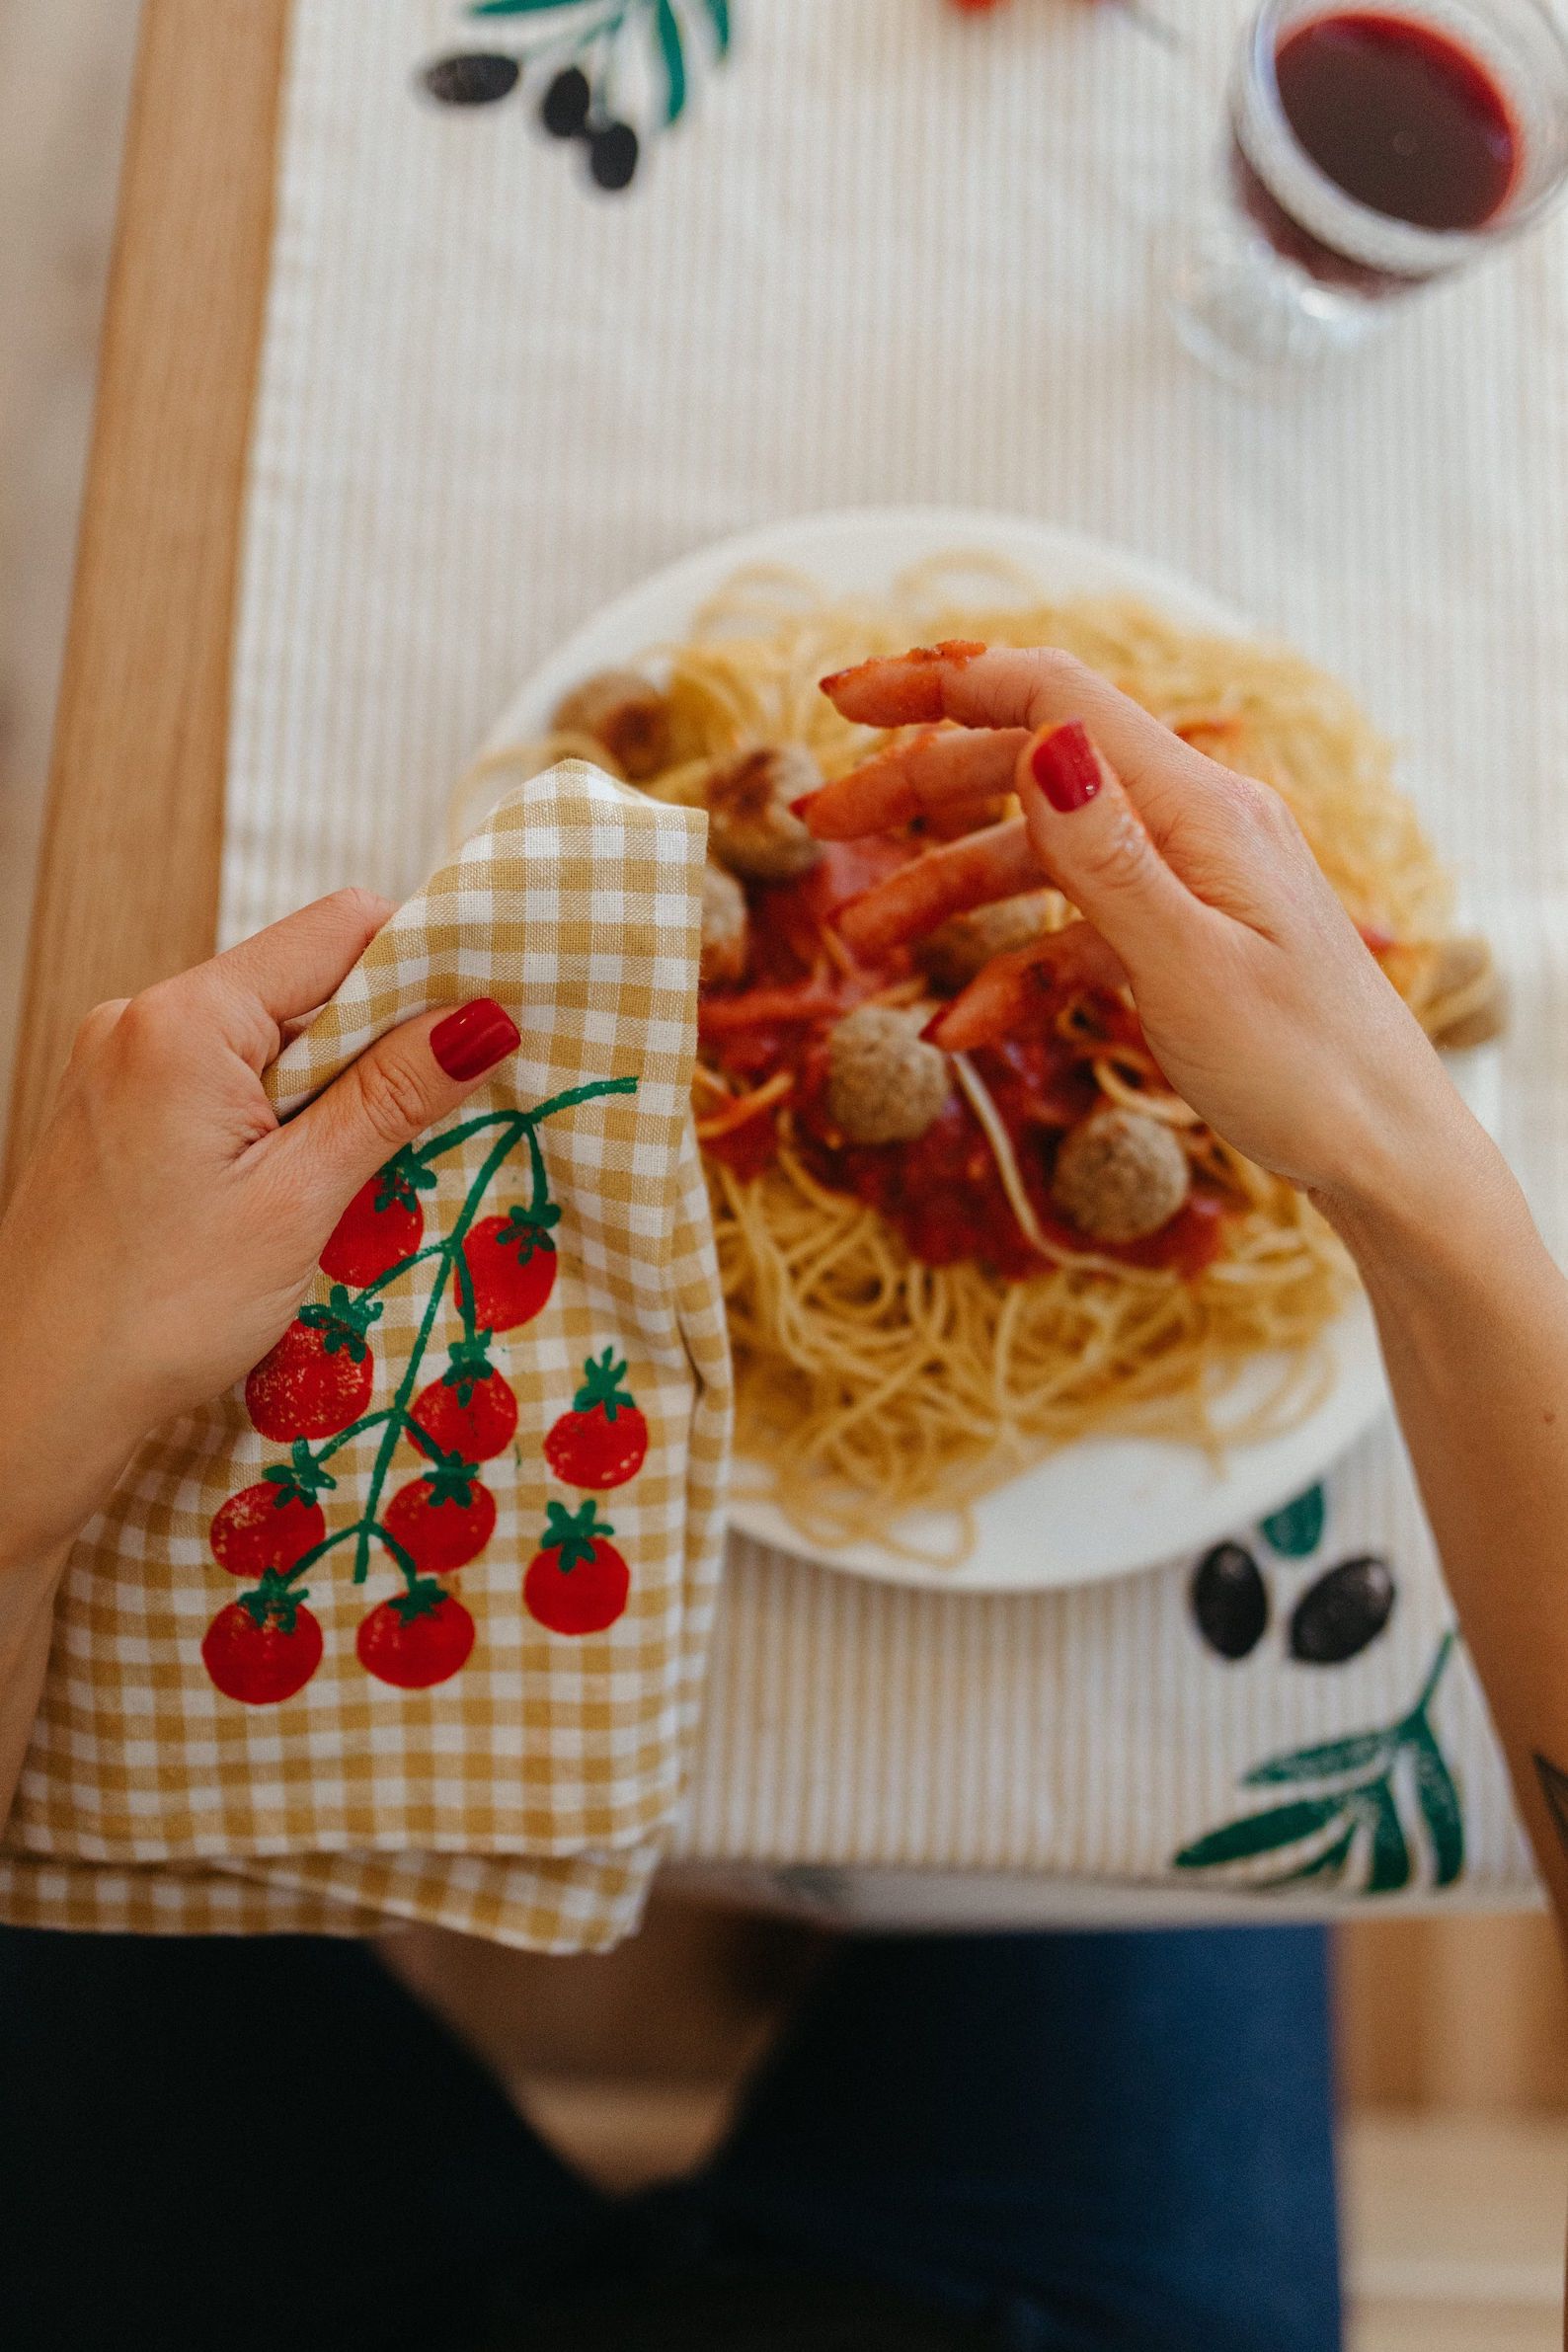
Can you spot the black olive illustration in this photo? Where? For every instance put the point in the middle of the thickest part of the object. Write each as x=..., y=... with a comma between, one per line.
x=472, y=78
x=1230, y=1601
x=1336, y=1617
x=564, y=111
x=612, y=155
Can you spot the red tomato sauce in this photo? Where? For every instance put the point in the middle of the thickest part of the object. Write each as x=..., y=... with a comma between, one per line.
x=943, y=1193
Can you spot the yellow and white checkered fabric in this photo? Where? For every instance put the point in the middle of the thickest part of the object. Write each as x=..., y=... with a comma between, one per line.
x=527, y=1796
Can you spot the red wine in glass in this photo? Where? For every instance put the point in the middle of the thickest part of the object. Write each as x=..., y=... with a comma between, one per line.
x=1404, y=119
x=1372, y=150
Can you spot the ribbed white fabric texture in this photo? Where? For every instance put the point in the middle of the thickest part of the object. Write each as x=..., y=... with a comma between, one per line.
x=897, y=254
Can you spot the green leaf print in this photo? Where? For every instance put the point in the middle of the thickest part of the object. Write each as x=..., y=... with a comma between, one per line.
x=1362, y=1808
x=1259, y=1832
x=672, y=50
x=1298, y=1528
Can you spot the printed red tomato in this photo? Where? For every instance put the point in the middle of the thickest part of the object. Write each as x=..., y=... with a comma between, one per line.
x=417, y=1640
x=444, y=1520
x=274, y=1524
x=576, y=1582
x=382, y=1224
x=319, y=1376
x=511, y=1266
x=604, y=1440
x=265, y=1646
x=262, y=1528
x=470, y=1410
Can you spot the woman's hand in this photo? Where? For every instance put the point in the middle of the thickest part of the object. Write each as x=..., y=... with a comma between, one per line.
x=1268, y=1015
x=1259, y=999
x=168, y=1227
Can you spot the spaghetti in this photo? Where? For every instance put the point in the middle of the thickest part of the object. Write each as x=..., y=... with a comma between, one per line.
x=887, y=1362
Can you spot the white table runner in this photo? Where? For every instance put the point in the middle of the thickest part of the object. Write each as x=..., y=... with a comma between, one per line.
x=893, y=254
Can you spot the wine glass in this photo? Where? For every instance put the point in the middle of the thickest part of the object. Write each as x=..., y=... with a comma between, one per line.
x=1371, y=150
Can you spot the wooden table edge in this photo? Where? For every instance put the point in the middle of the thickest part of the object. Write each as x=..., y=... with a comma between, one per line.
x=127, y=886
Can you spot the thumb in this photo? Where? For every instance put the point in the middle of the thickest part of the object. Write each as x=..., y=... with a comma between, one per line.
x=399, y=1086
x=1095, y=847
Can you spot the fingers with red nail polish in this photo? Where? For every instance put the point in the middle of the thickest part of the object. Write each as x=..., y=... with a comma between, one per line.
x=474, y=1039
x=1092, y=841
x=401, y=1084
x=1067, y=768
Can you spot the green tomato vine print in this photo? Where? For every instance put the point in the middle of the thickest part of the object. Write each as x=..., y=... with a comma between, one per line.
x=608, y=73
x=315, y=1394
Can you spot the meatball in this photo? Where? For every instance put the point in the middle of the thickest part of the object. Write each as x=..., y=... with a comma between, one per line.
x=626, y=714
x=1121, y=1175
x=954, y=953
x=725, y=938
x=752, y=829
x=884, y=1083
x=1468, y=1003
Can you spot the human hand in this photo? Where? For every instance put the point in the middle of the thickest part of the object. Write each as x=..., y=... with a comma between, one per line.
x=168, y=1227
x=1258, y=997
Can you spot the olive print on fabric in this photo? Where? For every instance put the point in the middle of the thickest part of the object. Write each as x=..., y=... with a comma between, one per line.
x=1339, y=1614
x=603, y=76
x=1344, y=1612
x=1230, y=1601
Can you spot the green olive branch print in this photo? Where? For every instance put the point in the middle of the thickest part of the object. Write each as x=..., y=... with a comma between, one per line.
x=584, y=49
x=1352, y=1817
x=672, y=51
x=573, y=28
x=538, y=8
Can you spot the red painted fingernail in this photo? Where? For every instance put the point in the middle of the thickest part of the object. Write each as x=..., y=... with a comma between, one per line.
x=474, y=1038
x=1065, y=767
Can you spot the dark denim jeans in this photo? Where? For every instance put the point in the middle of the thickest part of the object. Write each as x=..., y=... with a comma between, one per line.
x=1069, y=2142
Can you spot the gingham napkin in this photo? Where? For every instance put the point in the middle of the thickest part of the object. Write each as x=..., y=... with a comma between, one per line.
x=300, y=1678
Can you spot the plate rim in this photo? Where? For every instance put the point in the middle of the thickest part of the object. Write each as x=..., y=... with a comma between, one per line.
x=1359, y=1392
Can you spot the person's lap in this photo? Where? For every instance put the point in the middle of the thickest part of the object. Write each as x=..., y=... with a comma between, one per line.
x=1069, y=2142
x=1095, y=2140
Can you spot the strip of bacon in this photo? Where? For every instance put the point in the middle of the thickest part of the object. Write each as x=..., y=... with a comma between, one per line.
x=747, y=1107
x=995, y=864
x=754, y=1009
x=901, y=690
x=933, y=770
x=1020, y=991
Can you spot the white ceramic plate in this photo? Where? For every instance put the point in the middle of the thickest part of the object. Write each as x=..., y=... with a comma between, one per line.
x=1109, y=1505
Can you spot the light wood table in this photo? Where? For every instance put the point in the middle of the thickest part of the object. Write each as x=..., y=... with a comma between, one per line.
x=129, y=880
